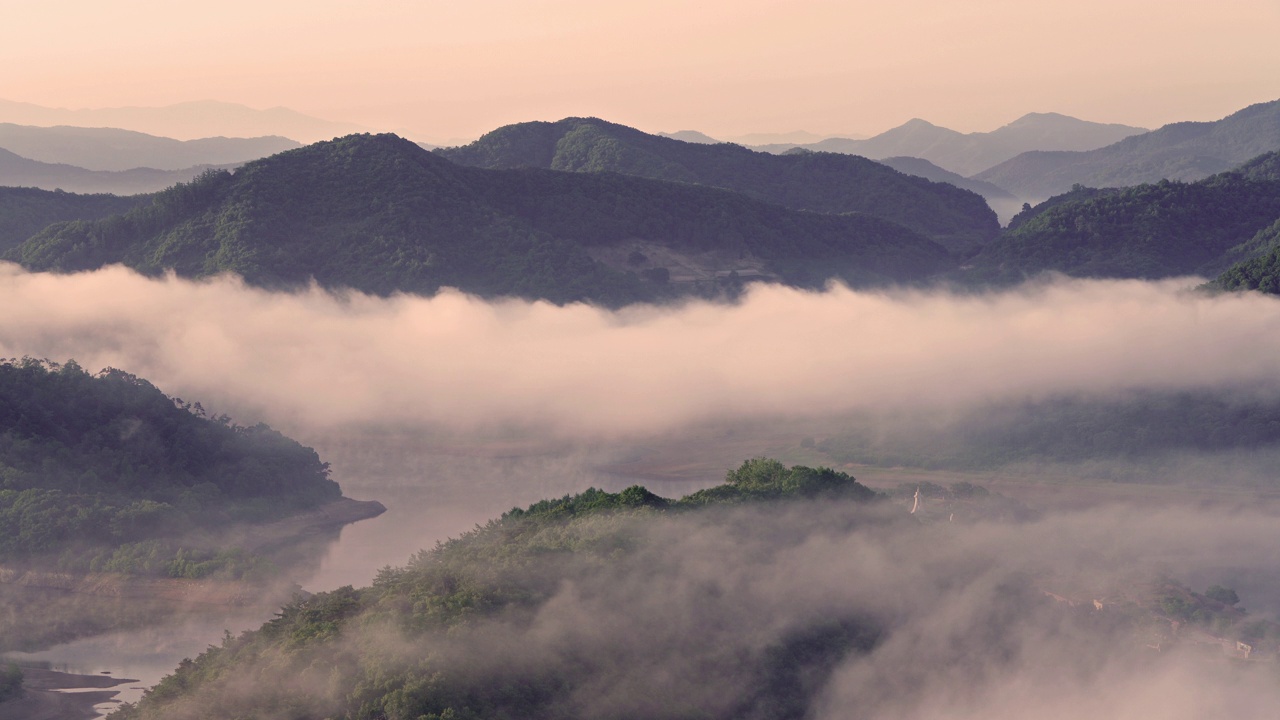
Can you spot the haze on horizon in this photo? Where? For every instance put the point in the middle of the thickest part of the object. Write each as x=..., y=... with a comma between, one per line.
x=447, y=71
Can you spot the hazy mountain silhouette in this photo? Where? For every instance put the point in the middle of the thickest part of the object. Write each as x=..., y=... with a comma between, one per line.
x=17, y=171
x=380, y=214
x=114, y=149
x=691, y=136
x=1000, y=200
x=821, y=182
x=969, y=153
x=1180, y=151
x=793, y=138
x=185, y=121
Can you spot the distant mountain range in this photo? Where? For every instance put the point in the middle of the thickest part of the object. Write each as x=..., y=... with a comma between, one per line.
x=113, y=149
x=380, y=214
x=970, y=153
x=17, y=171
x=1180, y=151
x=821, y=182
x=185, y=121
x=691, y=136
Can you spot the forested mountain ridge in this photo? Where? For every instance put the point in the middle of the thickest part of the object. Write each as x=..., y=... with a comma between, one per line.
x=820, y=182
x=380, y=214
x=94, y=469
x=25, y=211
x=1146, y=231
x=1185, y=151
x=499, y=578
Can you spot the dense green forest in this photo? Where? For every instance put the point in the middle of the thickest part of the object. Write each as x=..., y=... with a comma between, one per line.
x=483, y=590
x=1147, y=231
x=380, y=214
x=26, y=211
x=822, y=182
x=10, y=682
x=105, y=472
x=1260, y=273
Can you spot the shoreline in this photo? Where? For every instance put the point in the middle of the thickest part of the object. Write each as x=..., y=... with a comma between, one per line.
x=54, y=695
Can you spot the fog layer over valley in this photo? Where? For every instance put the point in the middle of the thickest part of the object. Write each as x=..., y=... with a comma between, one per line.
x=452, y=409
x=315, y=360
x=796, y=609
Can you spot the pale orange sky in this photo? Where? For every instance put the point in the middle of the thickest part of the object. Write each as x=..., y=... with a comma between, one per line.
x=456, y=69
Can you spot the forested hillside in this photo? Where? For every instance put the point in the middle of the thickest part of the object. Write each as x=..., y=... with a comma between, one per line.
x=821, y=182
x=380, y=214
x=25, y=211
x=758, y=599
x=1146, y=231
x=96, y=469
x=443, y=636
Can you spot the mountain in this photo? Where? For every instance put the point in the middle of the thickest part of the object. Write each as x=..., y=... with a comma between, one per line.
x=1002, y=202
x=499, y=591
x=780, y=594
x=16, y=171
x=793, y=138
x=1147, y=231
x=94, y=462
x=1182, y=151
x=820, y=182
x=380, y=214
x=26, y=211
x=970, y=153
x=185, y=121
x=112, y=149
x=691, y=136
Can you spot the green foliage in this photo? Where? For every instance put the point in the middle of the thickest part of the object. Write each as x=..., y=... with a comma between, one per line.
x=1147, y=231
x=88, y=461
x=821, y=182
x=1261, y=273
x=26, y=211
x=334, y=645
x=381, y=215
x=767, y=479
x=1221, y=594
x=10, y=682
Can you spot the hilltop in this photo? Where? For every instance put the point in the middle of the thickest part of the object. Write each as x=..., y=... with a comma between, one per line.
x=380, y=214
x=970, y=153
x=819, y=182
x=1186, y=151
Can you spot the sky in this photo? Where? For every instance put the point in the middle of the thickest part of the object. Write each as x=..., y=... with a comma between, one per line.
x=453, y=70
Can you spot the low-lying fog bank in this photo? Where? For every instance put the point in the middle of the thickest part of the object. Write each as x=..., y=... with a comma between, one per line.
x=315, y=360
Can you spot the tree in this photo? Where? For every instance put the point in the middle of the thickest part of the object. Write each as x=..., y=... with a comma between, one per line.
x=1224, y=595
